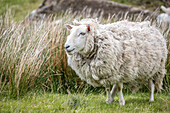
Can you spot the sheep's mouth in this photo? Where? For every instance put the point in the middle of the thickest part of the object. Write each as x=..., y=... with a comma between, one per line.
x=69, y=51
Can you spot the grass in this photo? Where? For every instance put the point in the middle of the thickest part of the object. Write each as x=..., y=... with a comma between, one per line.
x=31, y=53
x=20, y=8
x=93, y=103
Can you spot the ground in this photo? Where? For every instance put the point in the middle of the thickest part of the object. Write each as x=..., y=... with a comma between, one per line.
x=93, y=103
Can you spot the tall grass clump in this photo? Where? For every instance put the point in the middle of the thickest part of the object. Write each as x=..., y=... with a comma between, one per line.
x=32, y=56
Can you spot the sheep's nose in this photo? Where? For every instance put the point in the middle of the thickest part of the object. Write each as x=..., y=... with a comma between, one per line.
x=66, y=46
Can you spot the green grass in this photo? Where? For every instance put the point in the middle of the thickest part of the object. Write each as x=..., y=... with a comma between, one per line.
x=95, y=103
x=20, y=8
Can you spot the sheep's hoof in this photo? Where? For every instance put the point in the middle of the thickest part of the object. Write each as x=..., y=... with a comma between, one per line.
x=108, y=101
x=151, y=100
x=111, y=100
x=122, y=103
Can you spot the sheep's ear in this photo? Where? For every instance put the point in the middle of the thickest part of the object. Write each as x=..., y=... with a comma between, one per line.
x=163, y=8
x=88, y=28
x=69, y=27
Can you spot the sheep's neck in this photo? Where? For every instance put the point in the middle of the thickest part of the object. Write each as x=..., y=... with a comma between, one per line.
x=88, y=58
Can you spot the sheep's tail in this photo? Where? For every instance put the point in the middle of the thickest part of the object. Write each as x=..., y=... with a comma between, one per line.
x=159, y=79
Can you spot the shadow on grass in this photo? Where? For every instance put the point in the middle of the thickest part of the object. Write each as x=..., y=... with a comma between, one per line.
x=137, y=101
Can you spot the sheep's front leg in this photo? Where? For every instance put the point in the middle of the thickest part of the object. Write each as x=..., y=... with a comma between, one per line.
x=152, y=88
x=113, y=92
x=108, y=100
x=121, y=99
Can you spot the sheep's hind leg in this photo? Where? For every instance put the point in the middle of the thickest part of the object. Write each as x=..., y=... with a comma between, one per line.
x=108, y=100
x=121, y=99
x=152, y=88
x=113, y=92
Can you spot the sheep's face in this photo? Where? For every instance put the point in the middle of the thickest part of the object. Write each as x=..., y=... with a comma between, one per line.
x=77, y=39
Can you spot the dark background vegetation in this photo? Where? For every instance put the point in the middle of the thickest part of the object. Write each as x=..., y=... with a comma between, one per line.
x=145, y=4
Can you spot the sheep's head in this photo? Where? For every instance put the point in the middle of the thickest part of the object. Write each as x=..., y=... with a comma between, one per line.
x=80, y=39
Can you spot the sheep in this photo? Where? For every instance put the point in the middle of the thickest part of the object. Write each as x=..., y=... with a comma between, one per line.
x=164, y=19
x=166, y=10
x=121, y=54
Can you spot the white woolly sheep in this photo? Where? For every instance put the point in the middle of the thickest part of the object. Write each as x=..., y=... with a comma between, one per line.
x=166, y=10
x=164, y=18
x=122, y=53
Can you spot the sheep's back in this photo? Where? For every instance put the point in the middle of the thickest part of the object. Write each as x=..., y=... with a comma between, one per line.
x=144, y=50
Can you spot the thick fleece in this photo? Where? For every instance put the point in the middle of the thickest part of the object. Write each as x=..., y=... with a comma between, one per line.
x=125, y=52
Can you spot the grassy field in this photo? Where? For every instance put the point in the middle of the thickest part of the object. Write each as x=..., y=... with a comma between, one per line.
x=20, y=8
x=93, y=103
x=32, y=58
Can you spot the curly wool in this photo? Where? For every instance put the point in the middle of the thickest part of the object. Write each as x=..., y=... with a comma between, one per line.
x=121, y=52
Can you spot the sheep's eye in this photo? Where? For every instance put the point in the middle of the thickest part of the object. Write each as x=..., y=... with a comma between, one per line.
x=82, y=33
